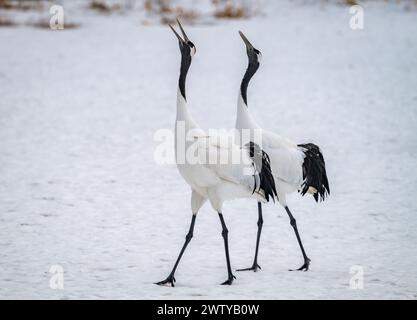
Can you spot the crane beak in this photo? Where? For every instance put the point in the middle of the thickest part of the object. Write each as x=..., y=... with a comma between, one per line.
x=175, y=32
x=182, y=31
x=249, y=46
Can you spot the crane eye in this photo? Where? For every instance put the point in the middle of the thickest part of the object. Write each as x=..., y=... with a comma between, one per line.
x=259, y=56
x=192, y=48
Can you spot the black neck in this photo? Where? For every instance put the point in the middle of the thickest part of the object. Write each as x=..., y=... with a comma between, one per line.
x=185, y=65
x=250, y=71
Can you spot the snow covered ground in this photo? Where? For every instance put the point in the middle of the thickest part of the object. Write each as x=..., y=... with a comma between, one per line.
x=79, y=186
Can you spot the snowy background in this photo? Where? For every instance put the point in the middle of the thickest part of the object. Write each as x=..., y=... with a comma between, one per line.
x=79, y=186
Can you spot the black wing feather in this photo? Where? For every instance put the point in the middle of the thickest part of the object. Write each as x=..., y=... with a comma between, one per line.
x=314, y=172
x=262, y=166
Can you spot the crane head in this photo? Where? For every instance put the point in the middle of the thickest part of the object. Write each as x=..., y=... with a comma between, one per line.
x=187, y=48
x=254, y=55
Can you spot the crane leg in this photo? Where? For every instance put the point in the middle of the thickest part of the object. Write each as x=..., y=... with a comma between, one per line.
x=225, y=233
x=293, y=223
x=255, y=265
x=171, y=279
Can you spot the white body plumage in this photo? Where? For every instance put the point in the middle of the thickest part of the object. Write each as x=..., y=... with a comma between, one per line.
x=215, y=181
x=286, y=157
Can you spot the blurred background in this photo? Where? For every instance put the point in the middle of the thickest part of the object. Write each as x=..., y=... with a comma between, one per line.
x=149, y=12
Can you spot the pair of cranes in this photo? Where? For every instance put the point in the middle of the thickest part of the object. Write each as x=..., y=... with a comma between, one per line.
x=275, y=169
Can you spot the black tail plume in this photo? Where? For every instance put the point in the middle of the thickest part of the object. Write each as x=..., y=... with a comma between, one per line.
x=263, y=172
x=314, y=172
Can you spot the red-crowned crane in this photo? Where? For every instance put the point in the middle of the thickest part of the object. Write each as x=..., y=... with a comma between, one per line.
x=295, y=167
x=217, y=182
